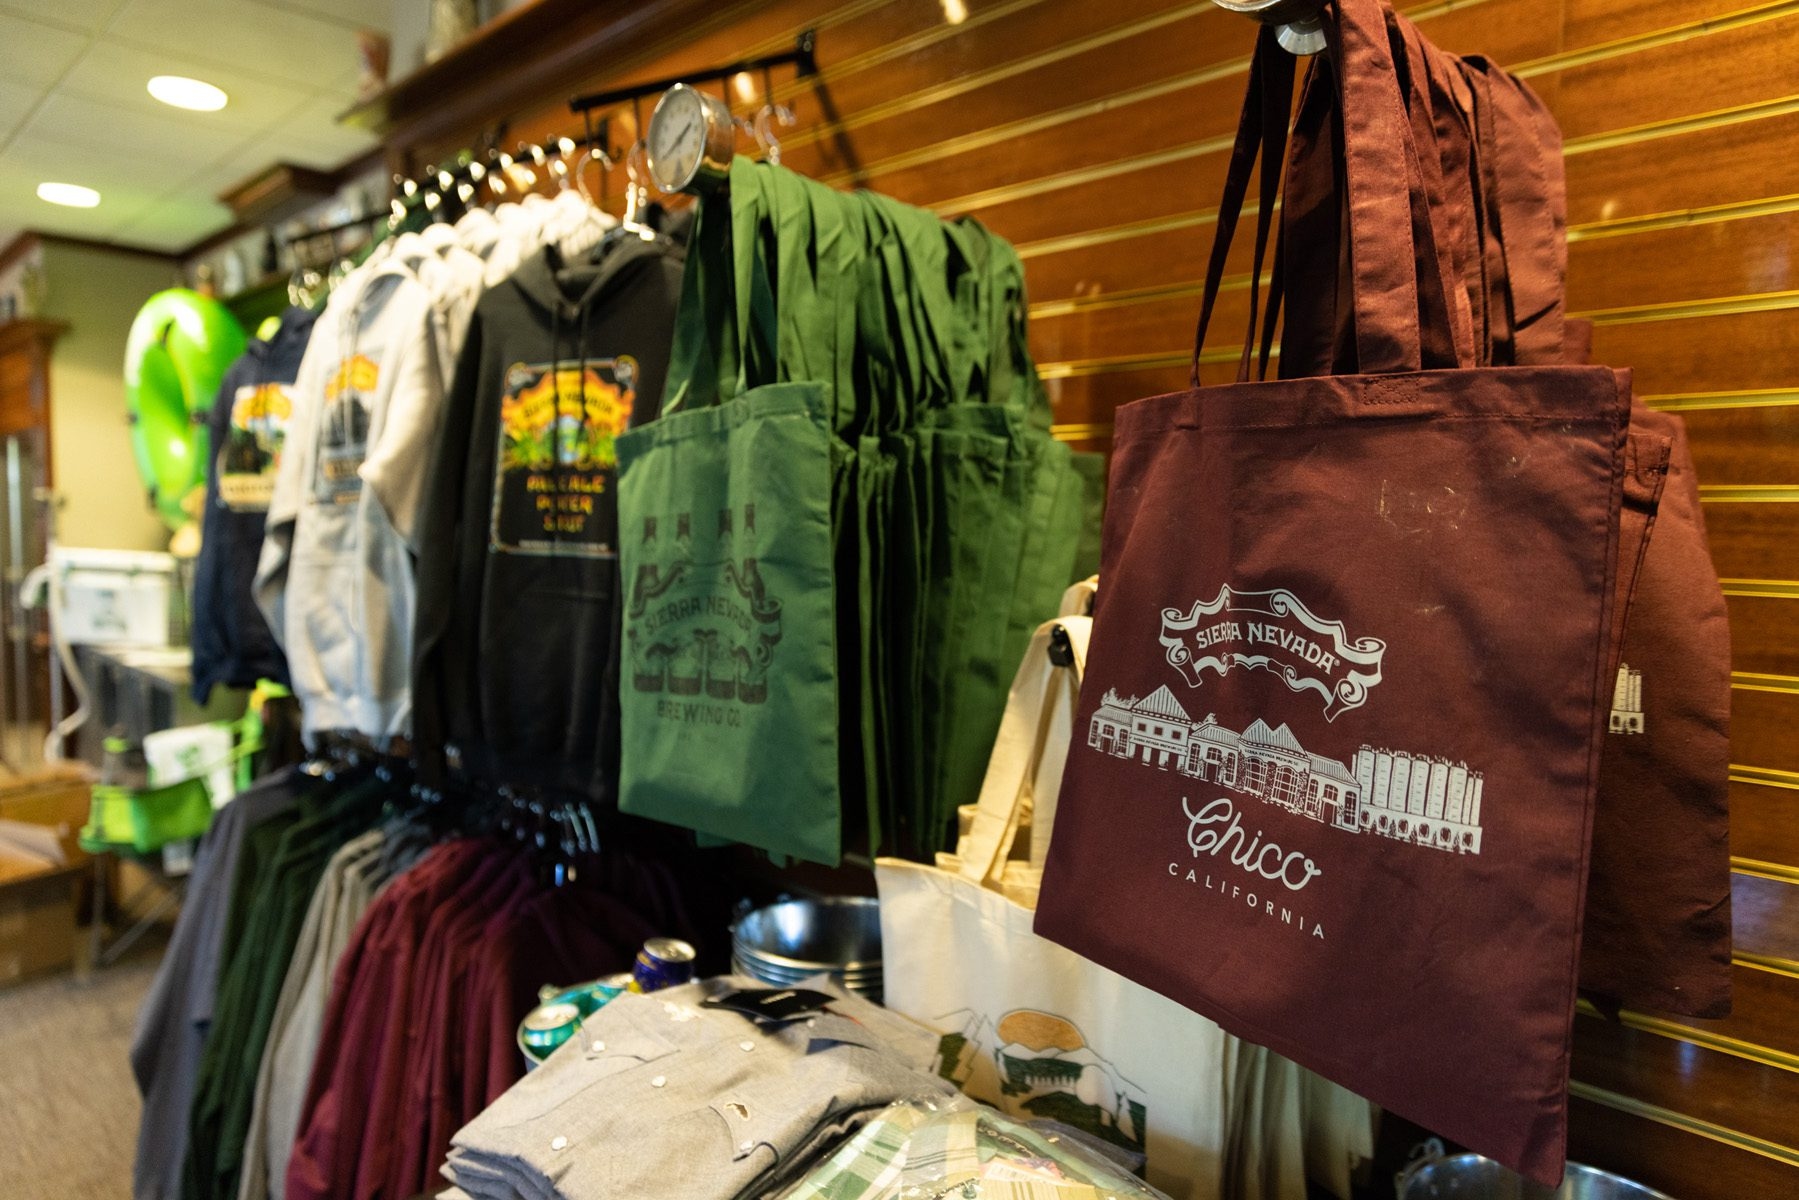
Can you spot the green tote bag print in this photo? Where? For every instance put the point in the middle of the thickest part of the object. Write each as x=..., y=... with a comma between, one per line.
x=729, y=694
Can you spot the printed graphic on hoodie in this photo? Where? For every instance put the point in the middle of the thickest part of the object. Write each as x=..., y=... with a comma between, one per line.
x=556, y=465
x=344, y=430
x=252, y=446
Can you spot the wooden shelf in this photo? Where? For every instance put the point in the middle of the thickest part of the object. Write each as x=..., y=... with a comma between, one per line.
x=514, y=61
x=276, y=192
x=25, y=346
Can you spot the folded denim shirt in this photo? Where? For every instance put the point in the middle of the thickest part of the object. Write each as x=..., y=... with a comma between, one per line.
x=661, y=1096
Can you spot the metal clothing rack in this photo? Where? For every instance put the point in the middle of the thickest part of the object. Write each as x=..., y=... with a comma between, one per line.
x=472, y=166
x=803, y=58
x=331, y=231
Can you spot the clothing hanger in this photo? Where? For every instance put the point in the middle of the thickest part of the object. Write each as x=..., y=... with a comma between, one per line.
x=761, y=126
x=634, y=224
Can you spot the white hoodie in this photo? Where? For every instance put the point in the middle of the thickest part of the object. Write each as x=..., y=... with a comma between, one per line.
x=336, y=577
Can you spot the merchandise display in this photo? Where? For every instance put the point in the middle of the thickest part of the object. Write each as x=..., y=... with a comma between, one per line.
x=852, y=412
x=521, y=508
x=1318, y=679
x=682, y=1093
x=321, y=935
x=1033, y=1028
x=768, y=711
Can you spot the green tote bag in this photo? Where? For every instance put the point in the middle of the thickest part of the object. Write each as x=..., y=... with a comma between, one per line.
x=729, y=713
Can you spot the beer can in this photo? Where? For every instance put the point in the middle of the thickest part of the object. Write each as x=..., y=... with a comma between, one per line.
x=609, y=987
x=663, y=962
x=547, y=1027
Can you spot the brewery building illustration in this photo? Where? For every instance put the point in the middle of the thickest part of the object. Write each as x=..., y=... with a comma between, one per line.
x=1416, y=798
x=1627, y=701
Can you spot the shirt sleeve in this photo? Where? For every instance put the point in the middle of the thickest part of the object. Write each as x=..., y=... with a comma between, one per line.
x=291, y=471
x=395, y=468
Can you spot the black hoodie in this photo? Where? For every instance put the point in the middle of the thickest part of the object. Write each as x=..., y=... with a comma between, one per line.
x=516, y=659
x=232, y=644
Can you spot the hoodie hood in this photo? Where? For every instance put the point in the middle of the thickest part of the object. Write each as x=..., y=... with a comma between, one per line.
x=563, y=289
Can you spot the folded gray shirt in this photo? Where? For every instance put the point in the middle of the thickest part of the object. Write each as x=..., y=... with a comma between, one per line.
x=658, y=1096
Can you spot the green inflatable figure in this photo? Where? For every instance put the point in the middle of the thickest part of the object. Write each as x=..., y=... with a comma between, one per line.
x=180, y=346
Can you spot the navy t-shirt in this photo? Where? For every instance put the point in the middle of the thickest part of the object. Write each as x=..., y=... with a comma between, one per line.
x=232, y=644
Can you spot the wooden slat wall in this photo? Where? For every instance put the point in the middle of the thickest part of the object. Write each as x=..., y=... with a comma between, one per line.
x=1094, y=135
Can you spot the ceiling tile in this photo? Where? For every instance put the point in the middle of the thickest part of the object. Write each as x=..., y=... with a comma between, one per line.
x=86, y=15
x=120, y=201
x=117, y=73
x=32, y=52
x=274, y=43
x=32, y=159
x=16, y=101
x=174, y=223
x=109, y=129
x=311, y=135
x=352, y=13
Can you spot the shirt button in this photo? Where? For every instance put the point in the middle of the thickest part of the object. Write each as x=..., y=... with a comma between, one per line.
x=659, y=1081
x=599, y=1047
x=746, y=1047
x=557, y=1143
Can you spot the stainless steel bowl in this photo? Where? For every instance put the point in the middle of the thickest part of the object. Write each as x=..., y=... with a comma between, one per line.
x=1471, y=1177
x=790, y=942
x=837, y=933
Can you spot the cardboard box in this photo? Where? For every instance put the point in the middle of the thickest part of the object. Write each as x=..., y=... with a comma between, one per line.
x=37, y=916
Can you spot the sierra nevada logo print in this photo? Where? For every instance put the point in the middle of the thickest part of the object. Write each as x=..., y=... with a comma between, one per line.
x=343, y=435
x=1273, y=631
x=701, y=628
x=556, y=464
x=253, y=439
x=1417, y=798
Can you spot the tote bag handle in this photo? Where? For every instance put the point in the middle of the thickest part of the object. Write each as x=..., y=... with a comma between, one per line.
x=725, y=333
x=1029, y=753
x=1387, y=210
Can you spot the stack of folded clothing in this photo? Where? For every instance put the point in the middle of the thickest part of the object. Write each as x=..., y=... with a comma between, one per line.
x=717, y=1089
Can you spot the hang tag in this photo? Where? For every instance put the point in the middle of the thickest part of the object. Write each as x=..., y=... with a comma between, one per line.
x=771, y=1005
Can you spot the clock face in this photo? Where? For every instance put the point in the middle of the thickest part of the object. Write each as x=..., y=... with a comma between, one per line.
x=677, y=138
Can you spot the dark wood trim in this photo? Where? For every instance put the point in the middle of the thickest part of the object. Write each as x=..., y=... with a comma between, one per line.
x=31, y=330
x=369, y=160
x=538, y=49
x=277, y=191
x=63, y=239
x=21, y=245
x=30, y=239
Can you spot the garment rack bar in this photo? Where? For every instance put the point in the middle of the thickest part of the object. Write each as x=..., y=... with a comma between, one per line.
x=803, y=57
x=309, y=235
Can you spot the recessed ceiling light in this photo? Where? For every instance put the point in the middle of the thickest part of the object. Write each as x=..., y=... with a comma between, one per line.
x=183, y=92
x=70, y=195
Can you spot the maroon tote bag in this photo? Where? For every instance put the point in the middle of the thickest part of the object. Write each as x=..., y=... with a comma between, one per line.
x=1656, y=934
x=1333, y=784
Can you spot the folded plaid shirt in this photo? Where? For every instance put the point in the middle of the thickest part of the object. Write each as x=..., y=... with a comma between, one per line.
x=962, y=1151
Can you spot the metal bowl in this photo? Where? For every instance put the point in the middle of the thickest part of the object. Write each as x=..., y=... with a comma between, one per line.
x=867, y=986
x=1471, y=1177
x=763, y=969
x=838, y=933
